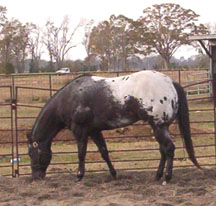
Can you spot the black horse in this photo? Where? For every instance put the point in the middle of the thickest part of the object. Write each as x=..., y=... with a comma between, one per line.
x=90, y=104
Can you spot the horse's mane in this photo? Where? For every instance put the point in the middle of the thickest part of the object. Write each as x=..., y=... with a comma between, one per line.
x=79, y=76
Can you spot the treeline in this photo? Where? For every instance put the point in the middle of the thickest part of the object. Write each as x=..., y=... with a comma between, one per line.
x=136, y=63
x=119, y=43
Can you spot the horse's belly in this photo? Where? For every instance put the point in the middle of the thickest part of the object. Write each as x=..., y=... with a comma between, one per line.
x=121, y=122
x=114, y=122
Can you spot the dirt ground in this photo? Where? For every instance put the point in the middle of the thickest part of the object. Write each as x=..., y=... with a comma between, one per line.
x=188, y=187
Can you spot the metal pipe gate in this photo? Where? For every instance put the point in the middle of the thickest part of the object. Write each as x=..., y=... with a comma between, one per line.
x=128, y=151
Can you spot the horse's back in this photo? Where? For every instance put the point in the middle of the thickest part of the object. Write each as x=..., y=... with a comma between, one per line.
x=153, y=90
x=145, y=85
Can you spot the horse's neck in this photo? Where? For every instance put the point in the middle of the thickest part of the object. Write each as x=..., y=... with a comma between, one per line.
x=47, y=125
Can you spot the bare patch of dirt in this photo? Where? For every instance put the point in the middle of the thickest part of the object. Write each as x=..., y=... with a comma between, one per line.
x=188, y=187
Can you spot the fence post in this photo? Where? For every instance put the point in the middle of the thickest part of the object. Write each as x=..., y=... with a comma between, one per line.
x=179, y=76
x=13, y=86
x=213, y=72
x=14, y=108
x=12, y=127
x=50, y=84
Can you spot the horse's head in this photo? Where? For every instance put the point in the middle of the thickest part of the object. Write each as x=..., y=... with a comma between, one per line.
x=40, y=157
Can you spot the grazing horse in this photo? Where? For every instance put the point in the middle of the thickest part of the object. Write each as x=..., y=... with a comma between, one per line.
x=90, y=104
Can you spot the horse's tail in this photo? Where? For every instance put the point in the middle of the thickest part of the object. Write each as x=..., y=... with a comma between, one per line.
x=184, y=123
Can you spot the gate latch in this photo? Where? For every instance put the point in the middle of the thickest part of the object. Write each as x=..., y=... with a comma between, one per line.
x=13, y=104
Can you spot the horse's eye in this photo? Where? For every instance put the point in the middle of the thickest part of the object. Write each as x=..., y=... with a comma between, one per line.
x=35, y=144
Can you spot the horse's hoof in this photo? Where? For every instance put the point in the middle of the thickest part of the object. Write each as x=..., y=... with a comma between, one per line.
x=157, y=178
x=114, y=175
x=79, y=179
x=79, y=176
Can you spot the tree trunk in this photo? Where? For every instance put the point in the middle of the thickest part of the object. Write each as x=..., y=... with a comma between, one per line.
x=18, y=67
x=124, y=63
x=51, y=66
x=166, y=61
x=23, y=66
x=104, y=64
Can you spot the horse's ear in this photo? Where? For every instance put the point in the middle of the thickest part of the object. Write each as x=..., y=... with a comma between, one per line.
x=28, y=135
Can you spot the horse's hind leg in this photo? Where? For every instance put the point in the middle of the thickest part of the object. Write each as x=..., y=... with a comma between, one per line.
x=160, y=170
x=98, y=139
x=167, y=149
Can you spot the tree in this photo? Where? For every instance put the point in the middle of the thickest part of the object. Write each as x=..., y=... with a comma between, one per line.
x=59, y=41
x=10, y=36
x=14, y=43
x=7, y=34
x=49, y=42
x=35, y=48
x=202, y=61
x=122, y=40
x=21, y=44
x=9, y=68
x=111, y=41
x=3, y=18
x=99, y=43
x=3, y=12
x=87, y=33
x=164, y=28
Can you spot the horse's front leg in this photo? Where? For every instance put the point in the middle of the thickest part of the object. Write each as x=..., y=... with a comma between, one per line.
x=82, y=140
x=167, y=149
x=98, y=139
x=82, y=147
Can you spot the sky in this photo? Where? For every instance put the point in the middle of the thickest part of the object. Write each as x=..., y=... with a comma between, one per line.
x=39, y=11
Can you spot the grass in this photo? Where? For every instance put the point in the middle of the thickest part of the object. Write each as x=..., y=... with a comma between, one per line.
x=197, y=115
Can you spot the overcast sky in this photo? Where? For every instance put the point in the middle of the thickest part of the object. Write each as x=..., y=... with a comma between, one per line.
x=39, y=11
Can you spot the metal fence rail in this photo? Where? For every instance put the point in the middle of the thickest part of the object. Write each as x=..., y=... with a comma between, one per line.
x=199, y=89
x=127, y=151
